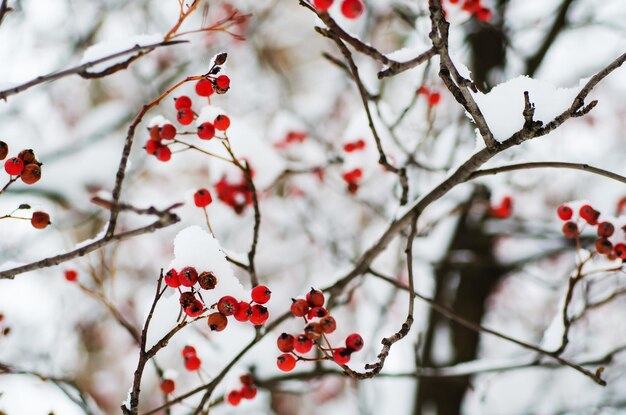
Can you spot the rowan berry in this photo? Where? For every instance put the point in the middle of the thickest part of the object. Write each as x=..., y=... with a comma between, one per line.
x=202, y=198
x=171, y=278
x=341, y=355
x=168, y=132
x=285, y=342
x=353, y=175
x=163, y=153
x=483, y=14
x=188, y=351
x=620, y=250
x=234, y=397
x=603, y=246
x=188, y=276
x=434, y=98
x=322, y=5
x=185, y=116
x=354, y=342
x=221, y=122
x=31, y=173
x=589, y=214
x=204, y=88
x=28, y=156
x=207, y=280
x=206, y=131
x=192, y=363
x=181, y=102
x=40, y=220
x=155, y=133
x=315, y=298
x=570, y=230
x=227, y=305
x=564, y=212
x=14, y=166
x=247, y=379
x=299, y=307
x=286, y=362
x=222, y=84
x=195, y=309
x=4, y=150
x=167, y=386
x=303, y=344
x=71, y=275
x=316, y=312
x=243, y=312
x=258, y=314
x=313, y=331
x=605, y=229
x=352, y=9
x=328, y=324
x=217, y=321
x=423, y=90
x=248, y=391
x=260, y=294
x=186, y=299
x=152, y=146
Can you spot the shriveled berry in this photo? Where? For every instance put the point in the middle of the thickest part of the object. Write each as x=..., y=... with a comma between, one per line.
x=243, y=311
x=605, y=229
x=258, y=314
x=313, y=331
x=299, y=307
x=171, y=278
x=303, y=344
x=234, y=397
x=261, y=294
x=341, y=355
x=206, y=131
x=207, y=280
x=564, y=212
x=352, y=9
x=168, y=386
x=192, y=363
x=227, y=305
x=27, y=156
x=221, y=122
x=204, y=88
x=217, y=321
x=188, y=351
x=202, y=198
x=186, y=299
x=247, y=379
x=188, y=276
x=285, y=342
x=322, y=5
x=286, y=362
x=14, y=166
x=328, y=324
x=168, y=132
x=570, y=230
x=184, y=116
x=182, y=101
x=248, y=391
x=354, y=342
x=40, y=220
x=315, y=298
x=316, y=312
x=4, y=150
x=603, y=246
x=195, y=309
x=31, y=173
x=71, y=275
x=163, y=153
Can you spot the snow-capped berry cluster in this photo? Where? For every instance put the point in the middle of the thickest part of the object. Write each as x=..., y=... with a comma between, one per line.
x=247, y=391
x=318, y=323
x=237, y=195
x=475, y=8
x=502, y=210
x=350, y=9
x=609, y=243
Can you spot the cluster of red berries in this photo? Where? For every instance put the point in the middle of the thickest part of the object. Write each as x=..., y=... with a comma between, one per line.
x=192, y=361
x=351, y=9
x=25, y=165
x=318, y=323
x=291, y=137
x=237, y=195
x=433, y=97
x=352, y=179
x=247, y=391
x=612, y=245
x=475, y=8
x=503, y=210
x=354, y=146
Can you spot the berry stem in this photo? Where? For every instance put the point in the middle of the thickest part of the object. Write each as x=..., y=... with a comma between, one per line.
x=208, y=223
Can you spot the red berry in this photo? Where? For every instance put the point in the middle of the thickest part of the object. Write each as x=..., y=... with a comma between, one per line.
x=181, y=102
x=204, y=88
x=192, y=363
x=185, y=116
x=188, y=351
x=223, y=82
x=261, y=294
x=187, y=299
x=434, y=98
x=217, y=321
x=31, y=173
x=316, y=312
x=471, y=6
x=221, y=122
x=354, y=342
x=4, y=150
x=234, y=397
x=202, y=198
x=168, y=132
x=285, y=342
x=315, y=298
x=604, y=246
x=14, y=166
x=322, y=5
x=167, y=386
x=483, y=14
x=163, y=153
x=313, y=331
x=341, y=355
x=152, y=146
x=248, y=391
x=353, y=175
x=40, y=220
x=188, y=276
x=423, y=90
x=299, y=307
x=328, y=324
x=620, y=250
x=207, y=280
x=206, y=131
x=243, y=311
x=171, y=278
x=605, y=229
x=570, y=230
x=303, y=344
x=258, y=314
x=71, y=275
x=227, y=305
x=589, y=214
x=352, y=8
x=286, y=362
x=195, y=309
x=155, y=133
x=564, y=212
